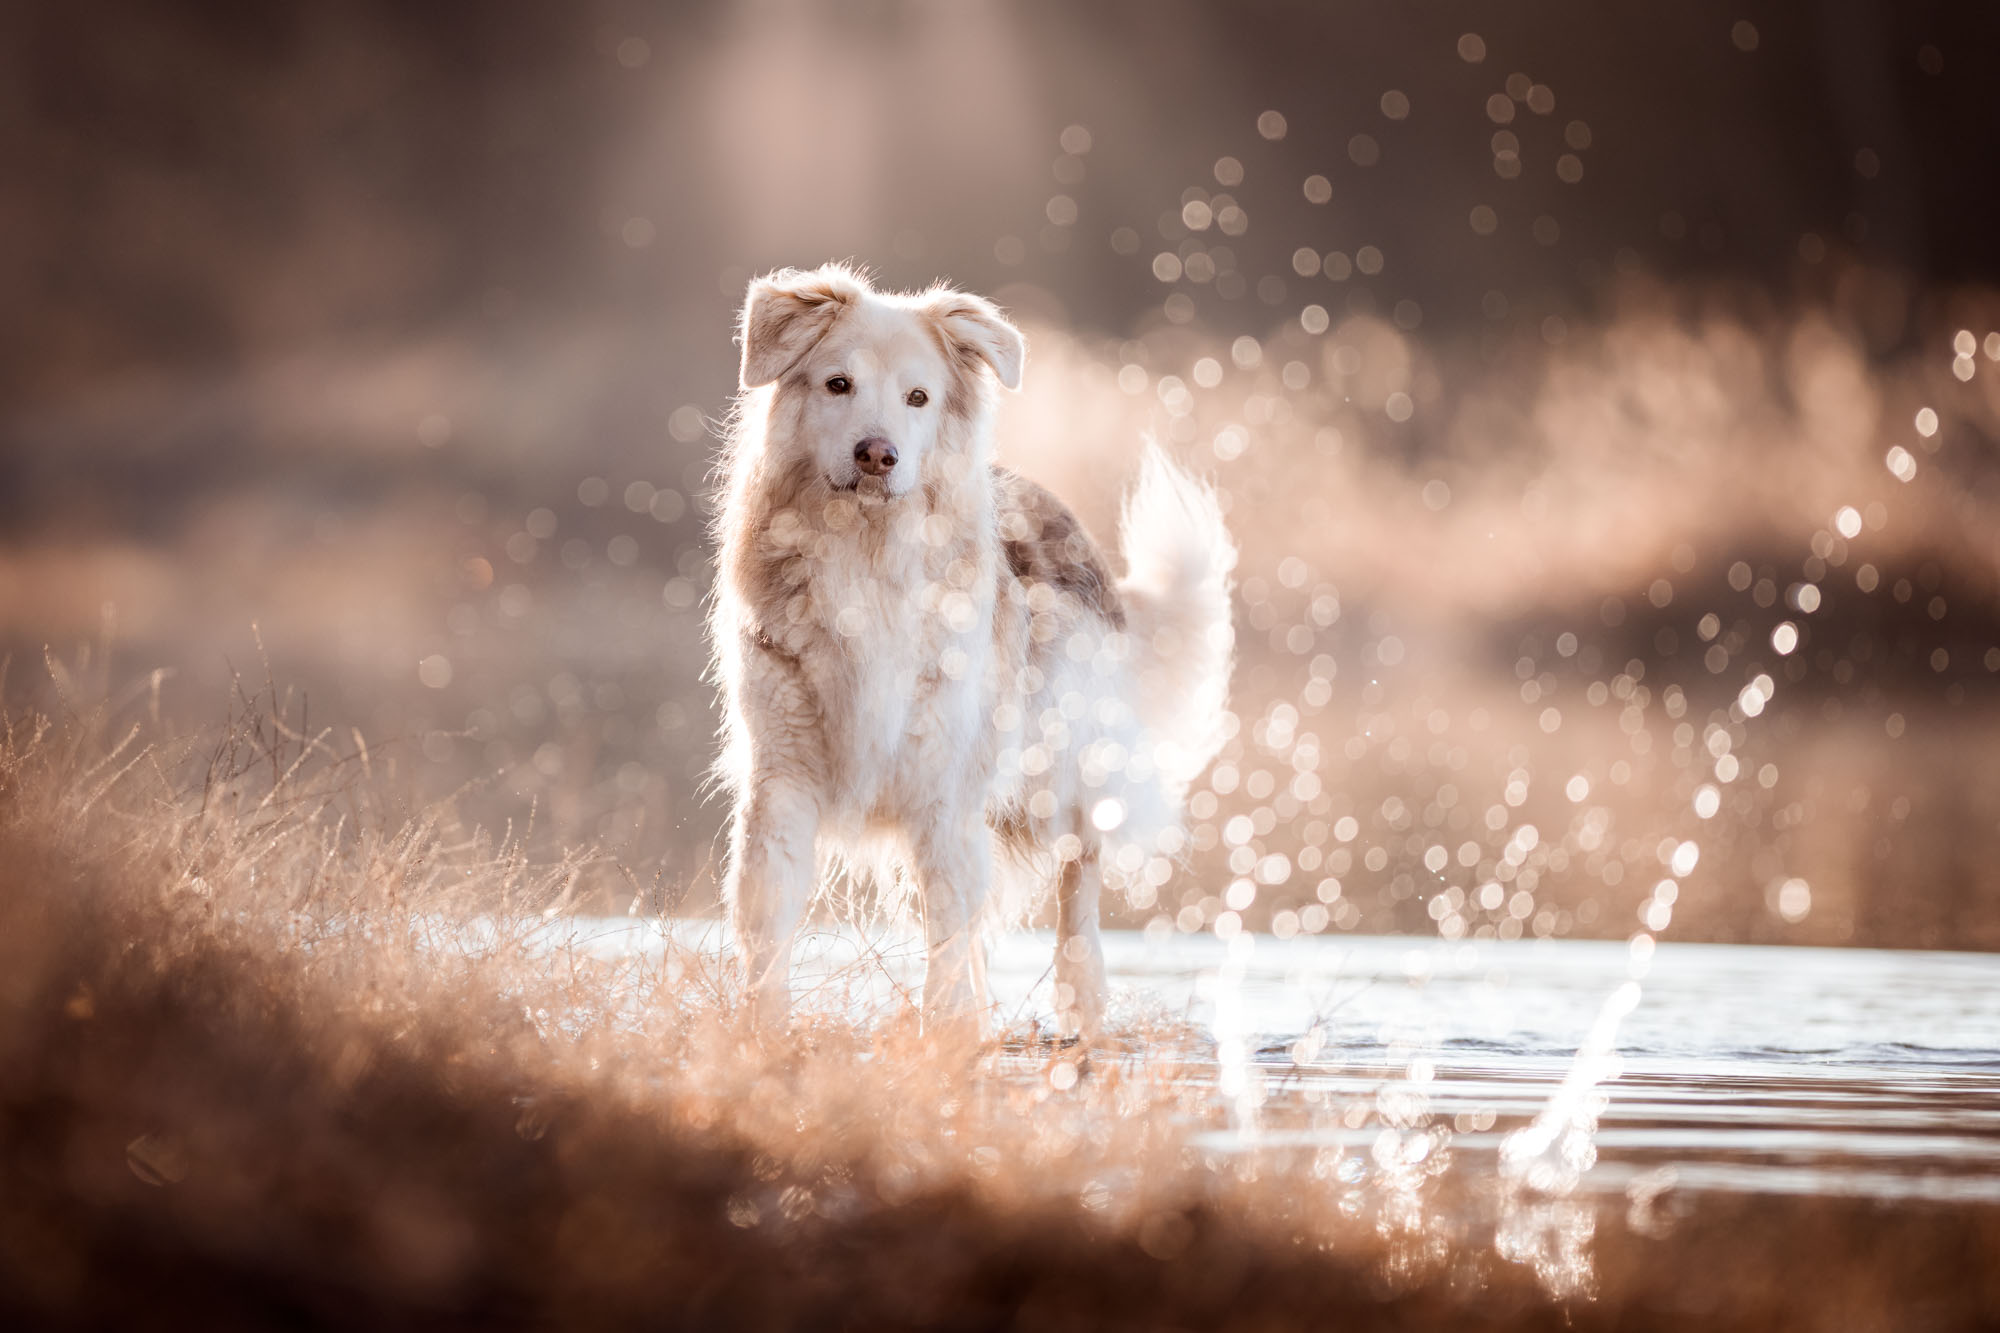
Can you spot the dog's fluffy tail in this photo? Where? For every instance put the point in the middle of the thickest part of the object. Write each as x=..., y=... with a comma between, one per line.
x=1178, y=555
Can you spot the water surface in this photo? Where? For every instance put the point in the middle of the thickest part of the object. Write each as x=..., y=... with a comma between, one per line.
x=1767, y=1069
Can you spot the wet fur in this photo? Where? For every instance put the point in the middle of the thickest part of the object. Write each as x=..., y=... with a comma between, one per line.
x=917, y=685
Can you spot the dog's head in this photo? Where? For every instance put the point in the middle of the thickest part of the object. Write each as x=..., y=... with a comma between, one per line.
x=870, y=380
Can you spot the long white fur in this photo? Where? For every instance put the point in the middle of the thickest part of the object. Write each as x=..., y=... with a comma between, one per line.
x=1178, y=555
x=892, y=692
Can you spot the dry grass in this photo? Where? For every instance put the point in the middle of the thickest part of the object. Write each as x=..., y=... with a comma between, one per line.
x=256, y=1070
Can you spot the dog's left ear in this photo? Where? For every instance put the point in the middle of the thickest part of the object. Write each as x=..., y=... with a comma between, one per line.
x=974, y=327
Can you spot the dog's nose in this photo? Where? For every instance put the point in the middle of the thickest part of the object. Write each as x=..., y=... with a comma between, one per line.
x=875, y=455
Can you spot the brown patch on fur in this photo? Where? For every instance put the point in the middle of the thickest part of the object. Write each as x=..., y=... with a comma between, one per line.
x=787, y=659
x=1044, y=543
x=1014, y=831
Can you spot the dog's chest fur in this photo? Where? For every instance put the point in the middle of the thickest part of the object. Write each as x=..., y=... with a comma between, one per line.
x=897, y=654
x=885, y=616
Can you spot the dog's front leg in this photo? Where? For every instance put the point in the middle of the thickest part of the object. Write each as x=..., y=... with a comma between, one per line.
x=772, y=864
x=1079, y=949
x=954, y=871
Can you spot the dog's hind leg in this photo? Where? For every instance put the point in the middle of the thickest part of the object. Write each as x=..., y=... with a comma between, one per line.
x=954, y=871
x=772, y=864
x=1079, y=949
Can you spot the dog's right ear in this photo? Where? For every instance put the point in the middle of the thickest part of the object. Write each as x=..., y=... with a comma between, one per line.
x=786, y=313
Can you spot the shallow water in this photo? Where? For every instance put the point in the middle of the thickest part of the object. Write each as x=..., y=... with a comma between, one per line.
x=1778, y=1070
x=1844, y=1071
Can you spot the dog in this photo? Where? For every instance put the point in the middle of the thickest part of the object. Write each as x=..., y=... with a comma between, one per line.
x=927, y=670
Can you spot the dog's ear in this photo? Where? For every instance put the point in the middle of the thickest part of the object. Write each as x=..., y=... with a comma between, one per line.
x=973, y=327
x=786, y=313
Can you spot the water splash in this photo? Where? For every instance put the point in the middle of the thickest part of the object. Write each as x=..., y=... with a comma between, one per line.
x=1238, y=1081
x=1543, y=1163
x=1550, y=1154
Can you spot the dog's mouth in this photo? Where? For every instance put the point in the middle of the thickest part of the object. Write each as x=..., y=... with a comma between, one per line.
x=864, y=487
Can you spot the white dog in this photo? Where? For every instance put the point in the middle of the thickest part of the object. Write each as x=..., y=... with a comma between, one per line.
x=921, y=654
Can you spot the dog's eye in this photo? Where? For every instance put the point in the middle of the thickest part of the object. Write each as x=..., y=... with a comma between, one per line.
x=839, y=384
x=917, y=398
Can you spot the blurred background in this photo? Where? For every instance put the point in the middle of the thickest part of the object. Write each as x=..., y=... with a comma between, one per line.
x=1607, y=399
